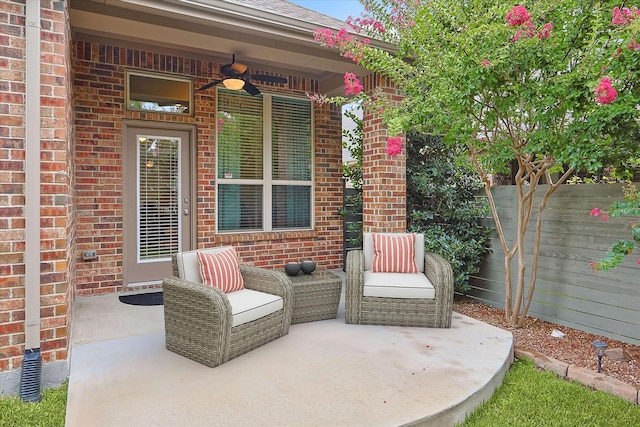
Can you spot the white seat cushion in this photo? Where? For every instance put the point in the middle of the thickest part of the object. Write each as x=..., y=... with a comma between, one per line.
x=397, y=285
x=248, y=305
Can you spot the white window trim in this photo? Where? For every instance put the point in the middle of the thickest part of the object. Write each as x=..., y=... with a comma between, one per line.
x=267, y=182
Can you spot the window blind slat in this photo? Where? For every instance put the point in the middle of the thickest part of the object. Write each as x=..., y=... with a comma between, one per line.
x=158, y=218
x=291, y=139
x=241, y=143
x=240, y=136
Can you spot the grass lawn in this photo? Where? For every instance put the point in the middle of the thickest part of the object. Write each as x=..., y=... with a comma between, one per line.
x=530, y=397
x=527, y=397
x=49, y=412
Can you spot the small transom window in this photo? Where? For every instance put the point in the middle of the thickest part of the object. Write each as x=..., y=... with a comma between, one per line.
x=159, y=92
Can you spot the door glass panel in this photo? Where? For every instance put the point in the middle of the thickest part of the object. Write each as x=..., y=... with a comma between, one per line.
x=159, y=216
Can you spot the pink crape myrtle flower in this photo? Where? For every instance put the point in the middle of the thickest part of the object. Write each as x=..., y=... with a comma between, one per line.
x=319, y=99
x=485, y=63
x=520, y=17
x=546, y=31
x=342, y=40
x=598, y=212
x=517, y=16
x=605, y=92
x=366, y=22
x=517, y=36
x=394, y=146
x=624, y=16
x=351, y=84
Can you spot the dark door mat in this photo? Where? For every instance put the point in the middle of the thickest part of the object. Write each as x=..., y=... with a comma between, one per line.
x=146, y=298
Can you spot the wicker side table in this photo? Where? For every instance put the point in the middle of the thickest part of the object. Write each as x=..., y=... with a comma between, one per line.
x=315, y=296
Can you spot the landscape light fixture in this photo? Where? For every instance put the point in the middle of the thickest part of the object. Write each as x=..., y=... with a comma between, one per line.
x=600, y=348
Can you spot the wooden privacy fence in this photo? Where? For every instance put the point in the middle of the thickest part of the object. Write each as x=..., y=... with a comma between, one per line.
x=567, y=292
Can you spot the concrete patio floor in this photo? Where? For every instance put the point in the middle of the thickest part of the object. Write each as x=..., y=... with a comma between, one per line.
x=324, y=373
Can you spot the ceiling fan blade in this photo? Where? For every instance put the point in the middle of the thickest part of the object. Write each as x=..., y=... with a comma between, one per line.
x=226, y=69
x=266, y=78
x=251, y=89
x=210, y=84
x=238, y=68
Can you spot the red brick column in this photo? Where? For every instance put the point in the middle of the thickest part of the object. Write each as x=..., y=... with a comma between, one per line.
x=384, y=187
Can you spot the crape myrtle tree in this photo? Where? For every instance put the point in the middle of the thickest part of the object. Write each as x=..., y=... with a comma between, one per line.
x=549, y=85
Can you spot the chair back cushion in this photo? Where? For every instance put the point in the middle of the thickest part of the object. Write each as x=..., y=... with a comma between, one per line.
x=369, y=254
x=188, y=268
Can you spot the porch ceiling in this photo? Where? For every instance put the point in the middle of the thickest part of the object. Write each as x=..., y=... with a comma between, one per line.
x=216, y=29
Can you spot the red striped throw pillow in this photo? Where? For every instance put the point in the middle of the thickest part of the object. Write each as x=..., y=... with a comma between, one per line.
x=394, y=254
x=220, y=270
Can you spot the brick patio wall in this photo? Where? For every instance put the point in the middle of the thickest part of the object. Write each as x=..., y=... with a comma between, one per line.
x=99, y=68
x=57, y=213
x=384, y=189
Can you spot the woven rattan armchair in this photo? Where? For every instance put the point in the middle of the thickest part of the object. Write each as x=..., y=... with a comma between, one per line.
x=375, y=310
x=199, y=321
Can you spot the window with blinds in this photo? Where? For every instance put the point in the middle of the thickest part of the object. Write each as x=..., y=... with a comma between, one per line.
x=264, y=169
x=158, y=197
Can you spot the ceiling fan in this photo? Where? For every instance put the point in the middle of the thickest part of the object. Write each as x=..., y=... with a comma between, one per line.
x=236, y=77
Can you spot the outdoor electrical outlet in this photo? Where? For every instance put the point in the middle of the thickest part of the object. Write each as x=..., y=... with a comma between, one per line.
x=89, y=255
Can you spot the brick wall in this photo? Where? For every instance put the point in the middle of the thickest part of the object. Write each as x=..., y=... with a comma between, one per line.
x=99, y=111
x=57, y=217
x=384, y=191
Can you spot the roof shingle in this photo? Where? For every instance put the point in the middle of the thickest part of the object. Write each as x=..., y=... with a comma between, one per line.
x=291, y=10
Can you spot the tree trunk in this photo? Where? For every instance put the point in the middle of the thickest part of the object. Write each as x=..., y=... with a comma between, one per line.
x=526, y=179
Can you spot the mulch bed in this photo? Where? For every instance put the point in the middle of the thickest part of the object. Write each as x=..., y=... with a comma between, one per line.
x=574, y=348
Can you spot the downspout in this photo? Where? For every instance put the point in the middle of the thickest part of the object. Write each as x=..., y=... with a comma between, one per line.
x=30, y=378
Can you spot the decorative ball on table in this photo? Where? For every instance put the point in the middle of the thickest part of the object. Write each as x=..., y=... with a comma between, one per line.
x=308, y=266
x=292, y=268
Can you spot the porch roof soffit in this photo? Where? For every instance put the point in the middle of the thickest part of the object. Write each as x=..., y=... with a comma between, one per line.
x=264, y=34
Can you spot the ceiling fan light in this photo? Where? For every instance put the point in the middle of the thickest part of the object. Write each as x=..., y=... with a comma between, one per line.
x=233, y=84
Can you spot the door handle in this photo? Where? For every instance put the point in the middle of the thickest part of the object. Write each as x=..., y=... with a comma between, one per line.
x=186, y=211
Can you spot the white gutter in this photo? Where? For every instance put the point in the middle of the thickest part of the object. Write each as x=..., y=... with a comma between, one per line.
x=32, y=176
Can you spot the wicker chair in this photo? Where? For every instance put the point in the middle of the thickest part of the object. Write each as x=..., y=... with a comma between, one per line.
x=393, y=311
x=198, y=319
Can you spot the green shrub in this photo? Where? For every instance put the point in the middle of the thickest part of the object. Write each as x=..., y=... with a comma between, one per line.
x=441, y=201
x=442, y=204
x=352, y=141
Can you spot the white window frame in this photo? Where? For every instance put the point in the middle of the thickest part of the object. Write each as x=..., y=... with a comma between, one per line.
x=267, y=182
